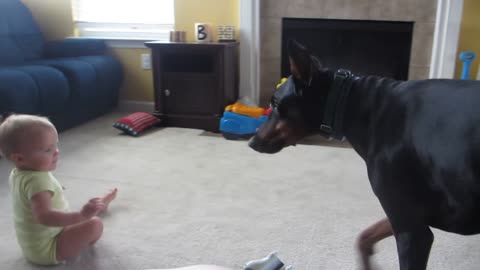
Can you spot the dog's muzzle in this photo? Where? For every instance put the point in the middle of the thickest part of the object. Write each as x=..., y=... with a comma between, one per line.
x=264, y=146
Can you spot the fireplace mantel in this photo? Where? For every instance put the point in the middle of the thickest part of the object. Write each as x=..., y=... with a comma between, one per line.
x=253, y=64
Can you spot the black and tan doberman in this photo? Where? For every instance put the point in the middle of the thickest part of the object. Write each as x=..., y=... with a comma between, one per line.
x=420, y=141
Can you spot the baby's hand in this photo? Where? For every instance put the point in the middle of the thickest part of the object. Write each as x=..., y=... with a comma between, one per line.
x=93, y=207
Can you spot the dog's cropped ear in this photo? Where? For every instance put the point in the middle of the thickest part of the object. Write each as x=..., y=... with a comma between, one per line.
x=300, y=60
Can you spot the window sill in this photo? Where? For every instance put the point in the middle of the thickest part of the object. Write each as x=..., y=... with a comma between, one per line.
x=127, y=43
x=135, y=43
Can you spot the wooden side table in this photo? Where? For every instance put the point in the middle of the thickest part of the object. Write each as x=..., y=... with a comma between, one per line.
x=194, y=82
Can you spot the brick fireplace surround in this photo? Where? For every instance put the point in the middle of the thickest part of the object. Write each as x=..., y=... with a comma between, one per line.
x=421, y=12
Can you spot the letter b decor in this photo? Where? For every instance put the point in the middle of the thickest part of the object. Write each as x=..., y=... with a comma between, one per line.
x=203, y=32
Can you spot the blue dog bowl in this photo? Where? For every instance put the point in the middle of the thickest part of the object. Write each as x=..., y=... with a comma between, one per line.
x=236, y=126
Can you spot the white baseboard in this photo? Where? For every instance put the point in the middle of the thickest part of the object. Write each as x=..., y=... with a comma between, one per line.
x=131, y=106
x=446, y=36
x=250, y=50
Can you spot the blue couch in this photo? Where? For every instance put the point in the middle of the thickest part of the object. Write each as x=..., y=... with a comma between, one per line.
x=70, y=81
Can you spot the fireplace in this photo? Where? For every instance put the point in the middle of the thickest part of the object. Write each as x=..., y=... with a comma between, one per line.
x=366, y=47
x=272, y=12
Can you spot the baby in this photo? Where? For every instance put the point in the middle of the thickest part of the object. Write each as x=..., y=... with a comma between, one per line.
x=47, y=231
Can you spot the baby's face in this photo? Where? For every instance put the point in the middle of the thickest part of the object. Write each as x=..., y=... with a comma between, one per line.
x=41, y=153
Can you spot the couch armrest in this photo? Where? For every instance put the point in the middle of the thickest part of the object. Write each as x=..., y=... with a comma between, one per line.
x=72, y=47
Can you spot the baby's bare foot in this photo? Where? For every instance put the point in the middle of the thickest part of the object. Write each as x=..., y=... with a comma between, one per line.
x=109, y=197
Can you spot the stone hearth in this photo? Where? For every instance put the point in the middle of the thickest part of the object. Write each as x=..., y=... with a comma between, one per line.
x=422, y=13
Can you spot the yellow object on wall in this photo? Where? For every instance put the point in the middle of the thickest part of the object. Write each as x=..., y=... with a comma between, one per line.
x=55, y=20
x=469, y=36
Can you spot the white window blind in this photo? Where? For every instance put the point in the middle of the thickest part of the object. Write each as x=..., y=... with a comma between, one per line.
x=129, y=19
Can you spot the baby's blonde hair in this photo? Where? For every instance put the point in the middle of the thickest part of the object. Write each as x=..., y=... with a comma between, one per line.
x=14, y=129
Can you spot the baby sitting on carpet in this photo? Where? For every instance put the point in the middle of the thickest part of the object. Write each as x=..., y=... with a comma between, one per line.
x=47, y=231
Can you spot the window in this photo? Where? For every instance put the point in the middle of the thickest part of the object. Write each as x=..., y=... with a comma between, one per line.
x=124, y=19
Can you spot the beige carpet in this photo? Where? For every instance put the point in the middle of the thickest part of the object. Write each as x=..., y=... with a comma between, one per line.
x=189, y=197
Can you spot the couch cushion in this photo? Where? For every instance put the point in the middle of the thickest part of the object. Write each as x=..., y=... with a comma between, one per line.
x=20, y=36
x=109, y=75
x=18, y=92
x=94, y=80
x=81, y=78
x=74, y=47
x=52, y=85
x=33, y=89
x=94, y=83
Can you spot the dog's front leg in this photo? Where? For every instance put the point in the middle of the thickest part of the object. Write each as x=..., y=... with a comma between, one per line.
x=414, y=247
x=369, y=237
x=413, y=237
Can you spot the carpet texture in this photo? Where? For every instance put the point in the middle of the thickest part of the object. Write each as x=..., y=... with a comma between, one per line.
x=190, y=197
